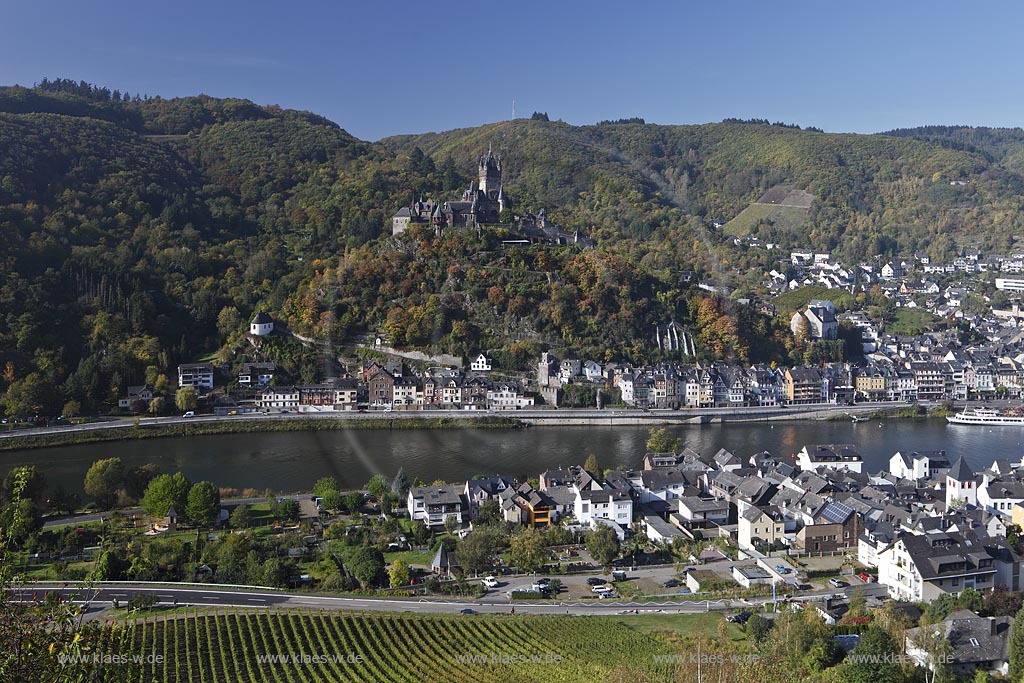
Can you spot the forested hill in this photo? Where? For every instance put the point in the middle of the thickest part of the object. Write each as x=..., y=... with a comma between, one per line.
x=140, y=232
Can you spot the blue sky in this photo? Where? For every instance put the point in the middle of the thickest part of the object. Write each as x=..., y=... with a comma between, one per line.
x=383, y=68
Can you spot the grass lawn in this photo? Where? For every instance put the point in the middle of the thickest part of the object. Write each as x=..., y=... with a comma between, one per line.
x=420, y=557
x=678, y=625
x=911, y=321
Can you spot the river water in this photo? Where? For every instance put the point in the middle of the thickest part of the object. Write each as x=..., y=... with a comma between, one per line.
x=288, y=461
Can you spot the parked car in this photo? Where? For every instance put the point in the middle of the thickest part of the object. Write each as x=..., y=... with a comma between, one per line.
x=542, y=585
x=606, y=595
x=672, y=583
x=467, y=611
x=190, y=413
x=837, y=583
x=864, y=576
x=594, y=581
x=740, y=618
x=618, y=575
x=782, y=569
x=490, y=582
x=601, y=589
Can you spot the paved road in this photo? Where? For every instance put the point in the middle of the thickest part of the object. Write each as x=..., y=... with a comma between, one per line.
x=233, y=597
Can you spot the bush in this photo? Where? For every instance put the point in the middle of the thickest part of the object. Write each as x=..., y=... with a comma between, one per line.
x=141, y=601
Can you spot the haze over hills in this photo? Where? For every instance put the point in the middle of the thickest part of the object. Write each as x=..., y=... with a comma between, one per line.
x=143, y=233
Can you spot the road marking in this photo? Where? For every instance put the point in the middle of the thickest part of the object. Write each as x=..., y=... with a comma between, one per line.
x=256, y=600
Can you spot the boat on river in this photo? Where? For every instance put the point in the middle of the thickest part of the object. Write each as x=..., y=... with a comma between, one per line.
x=988, y=416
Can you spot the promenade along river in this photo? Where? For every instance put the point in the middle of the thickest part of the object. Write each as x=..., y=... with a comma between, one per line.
x=287, y=461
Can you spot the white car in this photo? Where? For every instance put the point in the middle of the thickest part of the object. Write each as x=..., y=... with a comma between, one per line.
x=490, y=582
x=603, y=588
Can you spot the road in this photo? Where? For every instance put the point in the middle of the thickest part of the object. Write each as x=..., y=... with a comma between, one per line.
x=624, y=416
x=493, y=602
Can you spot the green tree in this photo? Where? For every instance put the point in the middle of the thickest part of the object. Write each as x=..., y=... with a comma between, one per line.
x=659, y=441
x=185, y=399
x=62, y=500
x=241, y=517
x=476, y=551
x=603, y=544
x=72, y=409
x=875, y=662
x=1017, y=647
x=591, y=465
x=163, y=492
x=332, y=500
x=102, y=481
x=156, y=406
x=489, y=513
x=758, y=627
x=323, y=485
x=378, y=486
x=286, y=509
x=399, y=573
x=527, y=550
x=137, y=479
x=366, y=564
x=352, y=501
x=203, y=503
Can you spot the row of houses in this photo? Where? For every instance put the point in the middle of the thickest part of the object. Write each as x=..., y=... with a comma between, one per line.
x=379, y=387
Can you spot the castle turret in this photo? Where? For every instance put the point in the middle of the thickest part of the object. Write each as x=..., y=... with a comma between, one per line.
x=490, y=175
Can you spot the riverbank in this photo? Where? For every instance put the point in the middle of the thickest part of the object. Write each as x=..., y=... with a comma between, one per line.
x=247, y=426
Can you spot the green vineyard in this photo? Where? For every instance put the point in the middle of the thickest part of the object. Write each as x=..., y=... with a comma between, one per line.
x=293, y=647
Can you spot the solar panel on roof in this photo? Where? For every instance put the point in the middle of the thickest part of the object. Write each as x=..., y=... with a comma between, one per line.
x=836, y=513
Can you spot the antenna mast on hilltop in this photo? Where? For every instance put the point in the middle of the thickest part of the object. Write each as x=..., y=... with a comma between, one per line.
x=513, y=109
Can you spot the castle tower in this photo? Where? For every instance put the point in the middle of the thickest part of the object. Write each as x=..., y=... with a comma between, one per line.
x=490, y=175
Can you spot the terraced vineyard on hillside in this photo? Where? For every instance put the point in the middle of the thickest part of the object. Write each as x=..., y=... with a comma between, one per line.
x=292, y=647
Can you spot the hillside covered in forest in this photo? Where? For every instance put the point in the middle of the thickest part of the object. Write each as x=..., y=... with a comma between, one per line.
x=143, y=232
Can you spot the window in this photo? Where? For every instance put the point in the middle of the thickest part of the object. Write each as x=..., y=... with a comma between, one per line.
x=956, y=582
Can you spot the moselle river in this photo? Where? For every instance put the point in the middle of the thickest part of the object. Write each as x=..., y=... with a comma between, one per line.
x=289, y=461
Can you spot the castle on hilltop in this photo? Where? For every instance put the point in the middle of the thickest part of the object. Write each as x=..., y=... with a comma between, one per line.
x=478, y=207
x=486, y=204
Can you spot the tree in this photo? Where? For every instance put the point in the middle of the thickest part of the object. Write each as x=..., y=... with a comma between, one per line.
x=203, y=503
x=489, y=513
x=476, y=551
x=62, y=500
x=286, y=509
x=366, y=564
x=603, y=544
x=137, y=479
x=102, y=481
x=323, y=485
x=758, y=627
x=591, y=465
x=156, y=406
x=332, y=500
x=399, y=573
x=659, y=441
x=400, y=485
x=527, y=550
x=858, y=602
x=875, y=661
x=352, y=501
x=1017, y=646
x=163, y=492
x=185, y=399
x=21, y=497
x=378, y=486
x=241, y=517
x=931, y=638
x=71, y=409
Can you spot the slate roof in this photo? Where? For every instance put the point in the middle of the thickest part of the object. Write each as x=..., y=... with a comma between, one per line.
x=975, y=640
x=960, y=470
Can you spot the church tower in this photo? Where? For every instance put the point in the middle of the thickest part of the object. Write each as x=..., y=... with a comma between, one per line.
x=490, y=175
